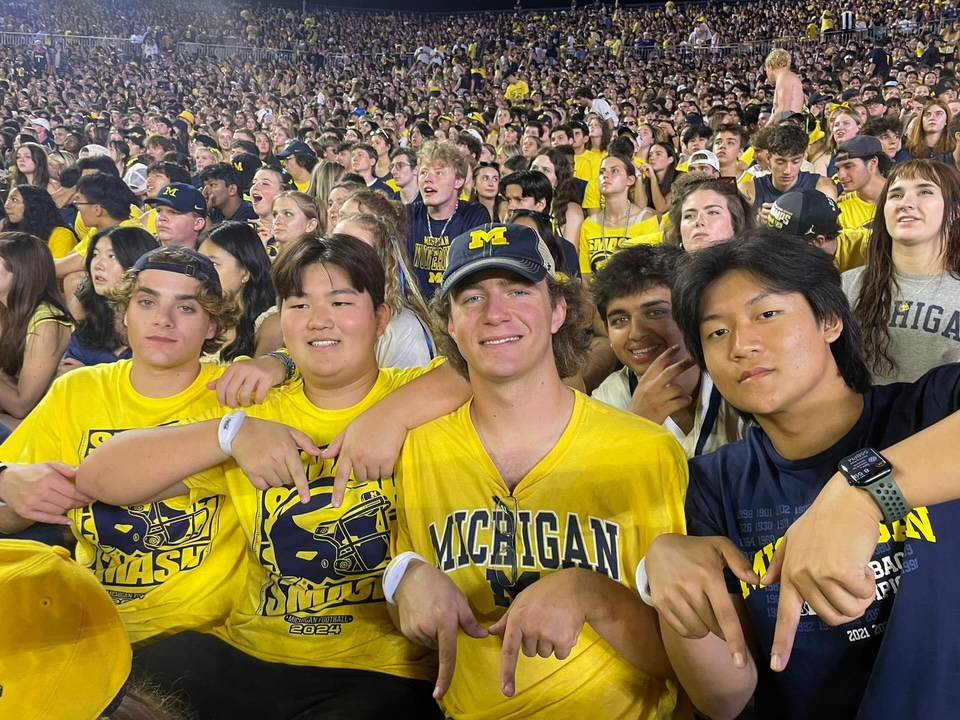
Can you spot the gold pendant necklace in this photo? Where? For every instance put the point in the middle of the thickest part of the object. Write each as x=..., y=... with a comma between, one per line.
x=905, y=304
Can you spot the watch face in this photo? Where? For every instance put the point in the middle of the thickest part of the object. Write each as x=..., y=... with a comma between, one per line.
x=865, y=467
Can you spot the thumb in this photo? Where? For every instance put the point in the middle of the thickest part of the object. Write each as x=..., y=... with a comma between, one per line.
x=304, y=442
x=772, y=575
x=212, y=385
x=68, y=471
x=333, y=449
x=737, y=562
x=469, y=623
x=499, y=626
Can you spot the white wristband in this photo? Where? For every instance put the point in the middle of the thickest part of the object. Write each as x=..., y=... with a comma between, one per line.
x=395, y=572
x=229, y=427
x=643, y=583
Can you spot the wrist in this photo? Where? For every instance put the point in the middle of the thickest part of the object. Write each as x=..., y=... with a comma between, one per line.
x=3, y=472
x=854, y=498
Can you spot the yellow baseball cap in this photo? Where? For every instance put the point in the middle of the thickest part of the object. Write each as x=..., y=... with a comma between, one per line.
x=65, y=652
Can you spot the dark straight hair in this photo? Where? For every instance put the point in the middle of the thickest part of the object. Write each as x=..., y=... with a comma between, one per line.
x=358, y=261
x=782, y=264
x=242, y=242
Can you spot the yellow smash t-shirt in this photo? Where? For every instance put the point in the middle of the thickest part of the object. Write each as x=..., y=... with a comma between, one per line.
x=598, y=242
x=169, y=566
x=313, y=594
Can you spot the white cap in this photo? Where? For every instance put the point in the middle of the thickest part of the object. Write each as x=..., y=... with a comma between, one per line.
x=703, y=157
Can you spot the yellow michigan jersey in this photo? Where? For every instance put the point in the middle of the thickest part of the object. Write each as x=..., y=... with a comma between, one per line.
x=599, y=243
x=169, y=566
x=586, y=165
x=611, y=484
x=86, y=234
x=851, y=248
x=855, y=213
x=313, y=594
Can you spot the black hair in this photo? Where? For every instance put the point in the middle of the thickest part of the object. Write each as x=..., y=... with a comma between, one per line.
x=222, y=171
x=787, y=140
x=102, y=163
x=172, y=171
x=533, y=184
x=98, y=329
x=358, y=261
x=782, y=264
x=635, y=270
x=40, y=213
x=242, y=242
x=738, y=130
x=515, y=163
x=109, y=192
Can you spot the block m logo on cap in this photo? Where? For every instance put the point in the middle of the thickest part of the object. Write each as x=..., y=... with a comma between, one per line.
x=494, y=236
x=170, y=191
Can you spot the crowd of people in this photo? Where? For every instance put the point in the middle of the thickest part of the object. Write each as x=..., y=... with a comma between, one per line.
x=499, y=365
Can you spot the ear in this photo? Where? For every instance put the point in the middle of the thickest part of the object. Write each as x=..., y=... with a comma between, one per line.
x=312, y=224
x=559, y=315
x=211, y=330
x=458, y=183
x=383, y=318
x=832, y=328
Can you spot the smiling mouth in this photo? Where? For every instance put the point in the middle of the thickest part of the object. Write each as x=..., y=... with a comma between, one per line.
x=501, y=341
x=324, y=343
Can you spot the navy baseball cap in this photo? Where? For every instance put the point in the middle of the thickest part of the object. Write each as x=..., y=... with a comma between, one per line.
x=181, y=197
x=862, y=147
x=296, y=146
x=180, y=260
x=805, y=212
x=516, y=248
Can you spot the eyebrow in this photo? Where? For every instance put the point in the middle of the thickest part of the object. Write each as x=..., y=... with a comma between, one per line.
x=154, y=293
x=752, y=301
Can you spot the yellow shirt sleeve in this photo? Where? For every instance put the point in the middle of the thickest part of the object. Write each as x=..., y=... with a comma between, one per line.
x=61, y=241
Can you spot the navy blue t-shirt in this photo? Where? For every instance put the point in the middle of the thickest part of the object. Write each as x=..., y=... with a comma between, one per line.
x=428, y=252
x=909, y=668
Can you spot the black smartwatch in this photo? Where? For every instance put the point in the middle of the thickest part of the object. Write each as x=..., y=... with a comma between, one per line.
x=868, y=470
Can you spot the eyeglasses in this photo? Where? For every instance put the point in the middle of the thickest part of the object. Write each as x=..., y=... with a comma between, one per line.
x=505, y=539
x=400, y=166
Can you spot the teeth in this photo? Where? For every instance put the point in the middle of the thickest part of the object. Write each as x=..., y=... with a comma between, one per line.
x=324, y=343
x=501, y=342
x=644, y=351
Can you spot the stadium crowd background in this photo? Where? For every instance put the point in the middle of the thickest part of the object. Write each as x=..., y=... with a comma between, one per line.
x=220, y=94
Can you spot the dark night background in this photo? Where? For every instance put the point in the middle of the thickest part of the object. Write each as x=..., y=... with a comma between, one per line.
x=448, y=6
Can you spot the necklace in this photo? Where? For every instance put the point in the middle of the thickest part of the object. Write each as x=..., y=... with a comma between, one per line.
x=443, y=230
x=603, y=224
x=905, y=304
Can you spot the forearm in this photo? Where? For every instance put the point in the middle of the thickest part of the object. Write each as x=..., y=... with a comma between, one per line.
x=624, y=621
x=924, y=466
x=11, y=523
x=432, y=395
x=141, y=465
x=70, y=264
x=717, y=688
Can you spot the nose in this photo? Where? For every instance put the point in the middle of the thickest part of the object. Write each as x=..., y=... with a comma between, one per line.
x=495, y=308
x=320, y=317
x=163, y=315
x=744, y=341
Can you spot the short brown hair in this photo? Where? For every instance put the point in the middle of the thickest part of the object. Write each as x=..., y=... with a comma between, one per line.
x=570, y=343
x=223, y=311
x=444, y=153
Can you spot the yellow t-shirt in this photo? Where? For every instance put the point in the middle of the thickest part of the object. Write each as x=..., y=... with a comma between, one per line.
x=302, y=187
x=586, y=165
x=313, y=593
x=652, y=238
x=582, y=505
x=852, y=248
x=43, y=314
x=83, y=232
x=61, y=242
x=855, y=212
x=149, y=221
x=517, y=91
x=84, y=245
x=169, y=566
x=599, y=242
